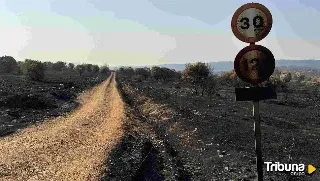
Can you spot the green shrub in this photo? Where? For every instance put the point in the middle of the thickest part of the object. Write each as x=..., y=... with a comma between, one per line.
x=197, y=74
x=163, y=73
x=80, y=69
x=230, y=78
x=58, y=66
x=33, y=69
x=95, y=68
x=47, y=65
x=88, y=67
x=286, y=77
x=71, y=65
x=104, y=70
x=7, y=64
x=299, y=76
x=144, y=72
x=126, y=71
x=275, y=82
x=156, y=73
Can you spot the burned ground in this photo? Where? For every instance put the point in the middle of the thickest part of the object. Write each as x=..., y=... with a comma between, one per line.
x=212, y=139
x=172, y=134
x=24, y=102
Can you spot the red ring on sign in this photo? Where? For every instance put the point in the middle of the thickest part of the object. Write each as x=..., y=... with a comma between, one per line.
x=251, y=39
x=267, y=65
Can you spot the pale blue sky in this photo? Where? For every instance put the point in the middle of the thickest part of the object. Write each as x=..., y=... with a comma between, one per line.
x=127, y=32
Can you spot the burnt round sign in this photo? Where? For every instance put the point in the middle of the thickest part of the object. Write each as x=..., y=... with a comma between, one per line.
x=251, y=22
x=254, y=64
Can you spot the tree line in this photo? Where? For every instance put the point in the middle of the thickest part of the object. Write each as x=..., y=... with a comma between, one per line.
x=35, y=70
x=199, y=75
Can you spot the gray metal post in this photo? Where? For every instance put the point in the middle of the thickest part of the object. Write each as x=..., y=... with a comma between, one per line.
x=257, y=134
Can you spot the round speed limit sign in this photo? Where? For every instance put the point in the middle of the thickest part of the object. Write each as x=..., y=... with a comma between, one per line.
x=254, y=64
x=251, y=22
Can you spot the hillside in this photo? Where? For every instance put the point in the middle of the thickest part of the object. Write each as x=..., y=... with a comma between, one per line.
x=228, y=65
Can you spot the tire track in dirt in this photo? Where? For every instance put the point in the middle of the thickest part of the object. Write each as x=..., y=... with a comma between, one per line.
x=72, y=147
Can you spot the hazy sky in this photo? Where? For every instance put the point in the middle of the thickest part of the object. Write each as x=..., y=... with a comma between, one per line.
x=142, y=32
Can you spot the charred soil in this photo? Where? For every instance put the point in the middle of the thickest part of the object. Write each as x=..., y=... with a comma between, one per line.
x=24, y=102
x=189, y=137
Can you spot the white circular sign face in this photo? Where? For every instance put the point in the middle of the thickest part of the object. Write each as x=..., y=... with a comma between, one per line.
x=252, y=22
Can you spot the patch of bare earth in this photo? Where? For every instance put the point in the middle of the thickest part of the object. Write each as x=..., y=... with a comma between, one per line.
x=72, y=147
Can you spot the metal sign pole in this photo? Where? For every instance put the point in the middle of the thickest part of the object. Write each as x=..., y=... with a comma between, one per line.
x=251, y=23
x=257, y=134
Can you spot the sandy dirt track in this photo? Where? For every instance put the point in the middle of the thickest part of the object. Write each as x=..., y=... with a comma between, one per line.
x=71, y=147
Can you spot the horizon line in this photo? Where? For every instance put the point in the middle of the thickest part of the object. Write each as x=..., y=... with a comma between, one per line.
x=174, y=63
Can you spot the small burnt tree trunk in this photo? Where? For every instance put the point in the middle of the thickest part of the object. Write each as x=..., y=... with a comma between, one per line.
x=203, y=85
x=196, y=89
x=203, y=89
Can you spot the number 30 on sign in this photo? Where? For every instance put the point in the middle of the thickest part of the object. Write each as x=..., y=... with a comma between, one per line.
x=251, y=22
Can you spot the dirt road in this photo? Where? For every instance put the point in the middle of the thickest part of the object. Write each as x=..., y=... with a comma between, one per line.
x=72, y=147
